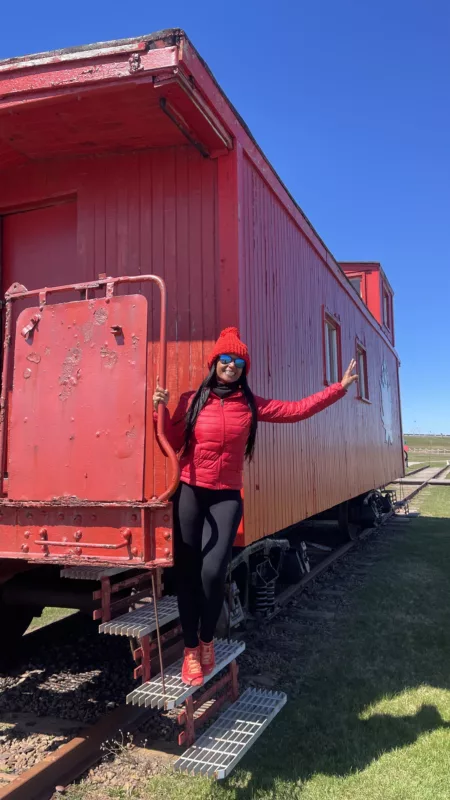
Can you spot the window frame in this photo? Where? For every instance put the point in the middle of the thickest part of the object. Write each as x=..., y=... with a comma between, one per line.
x=360, y=279
x=329, y=319
x=386, y=295
x=361, y=349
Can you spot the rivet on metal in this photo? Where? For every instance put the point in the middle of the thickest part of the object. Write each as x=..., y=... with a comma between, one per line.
x=43, y=533
x=166, y=551
x=134, y=551
x=167, y=535
x=27, y=534
x=134, y=517
x=77, y=535
x=126, y=533
x=25, y=548
x=78, y=551
x=166, y=518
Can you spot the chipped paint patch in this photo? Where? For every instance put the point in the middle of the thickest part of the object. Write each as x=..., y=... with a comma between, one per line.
x=100, y=316
x=109, y=357
x=70, y=373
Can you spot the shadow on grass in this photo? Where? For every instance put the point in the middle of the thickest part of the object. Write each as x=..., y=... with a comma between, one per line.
x=392, y=639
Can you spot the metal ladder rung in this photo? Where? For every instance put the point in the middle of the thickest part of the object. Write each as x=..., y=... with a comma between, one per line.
x=92, y=573
x=221, y=747
x=151, y=694
x=142, y=620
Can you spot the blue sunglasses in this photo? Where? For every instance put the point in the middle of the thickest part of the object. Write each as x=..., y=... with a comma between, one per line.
x=238, y=362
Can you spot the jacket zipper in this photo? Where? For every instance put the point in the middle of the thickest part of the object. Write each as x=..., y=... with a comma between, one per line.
x=222, y=403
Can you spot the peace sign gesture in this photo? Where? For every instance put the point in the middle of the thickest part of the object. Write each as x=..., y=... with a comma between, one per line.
x=349, y=375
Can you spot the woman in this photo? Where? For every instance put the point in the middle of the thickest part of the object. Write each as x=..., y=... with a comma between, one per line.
x=214, y=429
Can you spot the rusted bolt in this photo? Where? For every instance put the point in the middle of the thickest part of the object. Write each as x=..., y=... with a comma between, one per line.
x=78, y=551
x=43, y=533
x=27, y=534
x=134, y=551
x=126, y=534
x=166, y=551
x=167, y=535
x=24, y=548
x=77, y=535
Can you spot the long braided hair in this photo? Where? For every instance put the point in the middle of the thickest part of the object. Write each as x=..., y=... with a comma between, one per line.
x=200, y=399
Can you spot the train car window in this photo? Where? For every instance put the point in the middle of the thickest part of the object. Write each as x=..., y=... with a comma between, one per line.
x=332, y=347
x=361, y=368
x=387, y=309
x=356, y=283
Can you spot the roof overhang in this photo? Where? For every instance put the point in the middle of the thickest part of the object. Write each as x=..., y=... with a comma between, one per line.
x=117, y=96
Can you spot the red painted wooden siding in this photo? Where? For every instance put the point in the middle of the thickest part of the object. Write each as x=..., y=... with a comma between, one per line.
x=155, y=211
x=303, y=469
x=196, y=222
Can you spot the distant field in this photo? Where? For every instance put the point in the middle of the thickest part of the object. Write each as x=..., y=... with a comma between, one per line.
x=441, y=442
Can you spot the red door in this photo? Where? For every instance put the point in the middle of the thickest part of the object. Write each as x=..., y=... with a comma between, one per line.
x=39, y=248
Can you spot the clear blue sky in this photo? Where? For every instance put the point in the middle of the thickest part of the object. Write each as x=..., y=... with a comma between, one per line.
x=350, y=101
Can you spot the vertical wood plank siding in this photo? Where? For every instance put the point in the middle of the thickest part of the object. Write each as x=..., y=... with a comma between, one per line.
x=155, y=212
x=196, y=222
x=302, y=469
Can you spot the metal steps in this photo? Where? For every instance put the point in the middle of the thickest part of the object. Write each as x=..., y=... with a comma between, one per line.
x=151, y=694
x=216, y=752
x=142, y=621
x=92, y=573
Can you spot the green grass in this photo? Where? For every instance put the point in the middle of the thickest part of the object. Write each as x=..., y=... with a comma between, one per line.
x=370, y=718
x=48, y=616
x=441, y=442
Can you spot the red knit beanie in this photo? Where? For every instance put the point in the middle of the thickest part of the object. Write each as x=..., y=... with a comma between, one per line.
x=229, y=341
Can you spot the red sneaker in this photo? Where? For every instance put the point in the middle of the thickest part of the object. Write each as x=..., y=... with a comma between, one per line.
x=207, y=656
x=191, y=671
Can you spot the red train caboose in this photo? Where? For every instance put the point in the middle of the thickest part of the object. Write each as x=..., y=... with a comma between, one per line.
x=126, y=159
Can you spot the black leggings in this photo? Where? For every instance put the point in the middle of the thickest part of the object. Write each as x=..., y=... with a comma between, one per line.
x=205, y=526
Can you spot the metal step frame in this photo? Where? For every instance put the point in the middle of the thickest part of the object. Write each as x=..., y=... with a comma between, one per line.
x=221, y=747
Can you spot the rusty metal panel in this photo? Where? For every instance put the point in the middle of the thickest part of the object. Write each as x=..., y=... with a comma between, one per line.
x=124, y=535
x=77, y=423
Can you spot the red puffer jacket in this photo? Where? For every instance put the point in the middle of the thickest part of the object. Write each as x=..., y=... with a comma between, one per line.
x=215, y=458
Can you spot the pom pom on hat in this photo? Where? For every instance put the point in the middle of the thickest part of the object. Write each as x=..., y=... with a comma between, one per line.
x=229, y=341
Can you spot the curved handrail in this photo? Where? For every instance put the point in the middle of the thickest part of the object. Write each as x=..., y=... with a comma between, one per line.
x=17, y=292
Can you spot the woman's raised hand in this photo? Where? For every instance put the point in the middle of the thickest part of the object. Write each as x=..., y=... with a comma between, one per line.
x=349, y=375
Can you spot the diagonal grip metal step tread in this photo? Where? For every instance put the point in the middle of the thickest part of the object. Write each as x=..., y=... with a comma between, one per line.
x=142, y=620
x=92, y=573
x=151, y=694
x=221, y=747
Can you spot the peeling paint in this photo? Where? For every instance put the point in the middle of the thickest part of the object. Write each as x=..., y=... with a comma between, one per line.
x=109, y=357
x=100, y=316
x=87, y=330
x=70, y=374
x=34, y=358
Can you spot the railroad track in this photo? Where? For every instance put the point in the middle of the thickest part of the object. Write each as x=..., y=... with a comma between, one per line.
x=73, y=758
